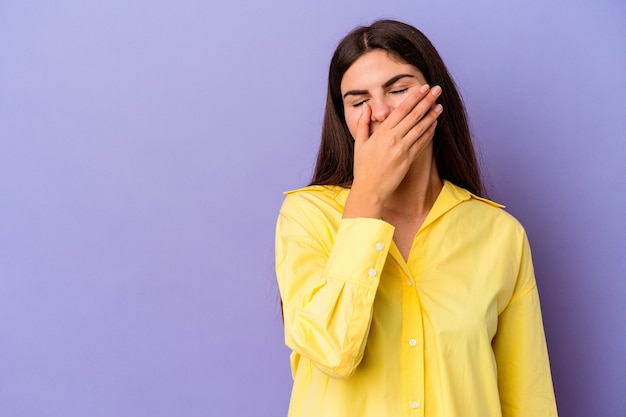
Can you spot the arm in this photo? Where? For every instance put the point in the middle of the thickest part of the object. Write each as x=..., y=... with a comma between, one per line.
x=328, y=268
x=328, y=283
x=524, y=378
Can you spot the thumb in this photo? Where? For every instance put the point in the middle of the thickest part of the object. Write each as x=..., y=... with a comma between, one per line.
x=363, y=125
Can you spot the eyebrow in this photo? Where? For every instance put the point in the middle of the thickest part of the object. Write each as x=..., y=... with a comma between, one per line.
x=389, y=83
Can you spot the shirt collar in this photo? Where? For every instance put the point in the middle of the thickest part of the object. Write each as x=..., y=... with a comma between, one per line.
x=449, y=197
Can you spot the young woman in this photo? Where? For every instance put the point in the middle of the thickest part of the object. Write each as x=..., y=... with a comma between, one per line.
x=405, y=293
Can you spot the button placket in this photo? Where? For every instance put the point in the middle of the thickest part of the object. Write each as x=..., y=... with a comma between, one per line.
x=413, y=352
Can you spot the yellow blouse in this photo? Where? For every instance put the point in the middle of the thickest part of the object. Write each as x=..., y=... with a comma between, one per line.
x=456, y=331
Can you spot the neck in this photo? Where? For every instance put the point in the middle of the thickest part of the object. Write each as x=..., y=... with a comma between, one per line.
x=417, y=192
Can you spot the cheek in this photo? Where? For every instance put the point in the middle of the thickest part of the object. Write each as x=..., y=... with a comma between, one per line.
x=352, y=119
x=395, y=100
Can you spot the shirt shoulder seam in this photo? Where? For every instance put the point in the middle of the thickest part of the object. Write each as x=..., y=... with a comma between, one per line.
x=517, y=297
x=488, y=201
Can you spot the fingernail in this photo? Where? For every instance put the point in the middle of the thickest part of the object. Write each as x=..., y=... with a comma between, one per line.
x=438, y=108
x=436, y=90
x=424, y=88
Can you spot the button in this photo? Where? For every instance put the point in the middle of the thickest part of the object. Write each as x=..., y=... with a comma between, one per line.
x=412, y=342
x=410, y=282
x=415, y=404
x=379, y=246
x=372, y=272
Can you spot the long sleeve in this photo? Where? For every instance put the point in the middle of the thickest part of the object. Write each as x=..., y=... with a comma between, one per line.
x=524, y=378
x=328, y=280
x=454, y=330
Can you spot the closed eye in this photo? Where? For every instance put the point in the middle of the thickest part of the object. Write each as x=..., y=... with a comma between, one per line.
x=400, y=91
x=359, y=103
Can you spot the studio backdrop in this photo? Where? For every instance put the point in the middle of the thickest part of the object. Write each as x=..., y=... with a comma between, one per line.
x=145, y=146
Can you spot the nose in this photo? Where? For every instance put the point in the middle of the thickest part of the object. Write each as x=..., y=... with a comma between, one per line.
x=380, y=109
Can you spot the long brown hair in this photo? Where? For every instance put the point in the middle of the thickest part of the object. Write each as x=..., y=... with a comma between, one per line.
x=452, y=144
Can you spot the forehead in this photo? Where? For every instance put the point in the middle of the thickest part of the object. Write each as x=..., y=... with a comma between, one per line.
x=374, y=68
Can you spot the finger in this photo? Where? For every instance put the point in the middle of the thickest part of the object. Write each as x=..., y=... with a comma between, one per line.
x=428, y=122
x=407, y=105
x=419, y=112
x=363, y=125
x=422, y=142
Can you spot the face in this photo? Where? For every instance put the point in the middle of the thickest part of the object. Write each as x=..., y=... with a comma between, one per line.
x=380, y=80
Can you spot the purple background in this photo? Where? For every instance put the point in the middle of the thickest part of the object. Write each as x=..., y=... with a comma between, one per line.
x=144, y=146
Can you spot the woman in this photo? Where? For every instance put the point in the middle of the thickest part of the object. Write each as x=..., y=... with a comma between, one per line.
x=405, y=293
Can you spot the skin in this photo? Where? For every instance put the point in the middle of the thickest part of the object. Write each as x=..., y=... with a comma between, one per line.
x=392, y=115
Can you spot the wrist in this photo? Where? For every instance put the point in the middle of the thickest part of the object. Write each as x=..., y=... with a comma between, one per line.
x=362, y=203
